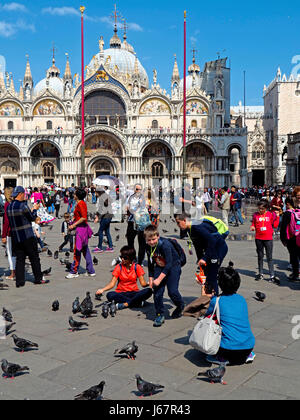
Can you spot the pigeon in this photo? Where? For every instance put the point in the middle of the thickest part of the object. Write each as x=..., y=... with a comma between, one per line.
x=49, y=253
x=260, y=296
x=98, y=297
x=67, y=254
x=165, y=220
x=117, y=229
x=3, y=286
x=113, y=309
x=165, y=231
x=117, y=238
x=86, y=307
x=116, y=261
x=55, y=306
x=10, y=369
x=68, y=265
x=23, y=344
x=147, y=388
x=7, y=315
x=105, y=310
x=8, y=327
x=50, y=227
x=130, y=349
x=215, y=375
x=47, y=272
x=91, y=394
x=75, y=325
x=95, y=261
x=76, y=306
x=175, y=230
x=56, y=254
x=62, y=262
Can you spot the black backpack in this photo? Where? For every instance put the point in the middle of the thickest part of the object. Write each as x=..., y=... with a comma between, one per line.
x=179, y=251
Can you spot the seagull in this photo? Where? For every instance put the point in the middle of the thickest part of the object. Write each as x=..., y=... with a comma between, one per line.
x=91, y=394
x=215, y=375
x=147, y=388
x=23, y=344
x=130, y=349
x=10, y=369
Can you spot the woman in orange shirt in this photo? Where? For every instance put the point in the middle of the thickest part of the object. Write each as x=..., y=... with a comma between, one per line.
x=125, y=276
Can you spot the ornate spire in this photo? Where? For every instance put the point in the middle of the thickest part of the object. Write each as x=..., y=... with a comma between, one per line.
x=28, y=75
x=175, y=75
x=2, y=83
x=12, y=85
x=115, y=41
x=68, y=74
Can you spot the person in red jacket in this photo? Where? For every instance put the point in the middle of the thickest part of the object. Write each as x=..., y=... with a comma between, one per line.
x=263, y=224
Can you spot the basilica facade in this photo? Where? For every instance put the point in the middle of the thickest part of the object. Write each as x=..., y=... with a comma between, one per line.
x=133, y=127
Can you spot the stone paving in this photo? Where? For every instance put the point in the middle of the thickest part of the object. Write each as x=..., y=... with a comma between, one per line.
x=67, y=363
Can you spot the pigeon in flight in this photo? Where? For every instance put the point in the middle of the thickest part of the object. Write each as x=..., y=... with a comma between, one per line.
x=55, y=306
x=130, y=350
x=215, y=375
x=261, y=297
x=91, y=394
x=23, y=344
x=76, y=325
x=10, y=369
x=76, y=306
x=7, y=315
x=147, y=388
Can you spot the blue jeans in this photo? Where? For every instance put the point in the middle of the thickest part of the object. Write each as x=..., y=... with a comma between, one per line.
x=105, y=227
x=94, y=199
x=172, y=283
x=71, y=206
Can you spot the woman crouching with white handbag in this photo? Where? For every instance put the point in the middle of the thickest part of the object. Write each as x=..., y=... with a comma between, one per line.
x=237, y=340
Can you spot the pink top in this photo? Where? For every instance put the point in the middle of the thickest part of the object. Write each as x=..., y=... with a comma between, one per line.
x=37, y=196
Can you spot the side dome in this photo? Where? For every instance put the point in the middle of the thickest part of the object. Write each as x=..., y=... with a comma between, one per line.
x=54, y=83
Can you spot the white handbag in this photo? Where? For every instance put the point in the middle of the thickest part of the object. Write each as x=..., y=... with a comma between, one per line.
x=207, y=335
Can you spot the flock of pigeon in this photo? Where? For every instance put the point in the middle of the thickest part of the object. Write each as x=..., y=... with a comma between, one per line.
x=86, y=309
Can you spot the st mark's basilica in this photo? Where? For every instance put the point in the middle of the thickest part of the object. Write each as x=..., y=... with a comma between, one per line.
x=133, y=126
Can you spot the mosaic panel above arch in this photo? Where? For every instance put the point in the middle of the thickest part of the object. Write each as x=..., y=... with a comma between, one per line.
x=48, y=107
x=195, y=107
x=102, y=144
x=10, y=109
x=7, y=151
x=155, y=107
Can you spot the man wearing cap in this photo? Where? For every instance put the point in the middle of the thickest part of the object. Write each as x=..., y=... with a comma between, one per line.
x=24, y=244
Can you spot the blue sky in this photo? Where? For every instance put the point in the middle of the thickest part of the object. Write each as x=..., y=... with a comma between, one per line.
x=257, y=36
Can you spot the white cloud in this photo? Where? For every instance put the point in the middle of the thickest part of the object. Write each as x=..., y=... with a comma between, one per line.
x=14, y=7
x=61, y=11
x=7, y=30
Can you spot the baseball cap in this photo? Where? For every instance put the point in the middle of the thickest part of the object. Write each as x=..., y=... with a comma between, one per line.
x=17, y=191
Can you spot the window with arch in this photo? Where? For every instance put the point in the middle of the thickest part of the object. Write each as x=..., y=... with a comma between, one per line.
x=10, y=125
x=154, y=124
x=48, y=170
x=49, y=125
x=157, y=170
x=258, y=151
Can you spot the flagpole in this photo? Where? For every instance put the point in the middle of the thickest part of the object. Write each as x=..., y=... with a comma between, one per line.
x=82, y=9
x=184, y=107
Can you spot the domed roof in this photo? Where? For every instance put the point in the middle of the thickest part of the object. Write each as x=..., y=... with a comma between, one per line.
x=190, y=81
x=54, y=83
x=125, y=60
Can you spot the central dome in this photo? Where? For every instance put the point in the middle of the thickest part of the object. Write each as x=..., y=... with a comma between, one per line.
x=125, y=61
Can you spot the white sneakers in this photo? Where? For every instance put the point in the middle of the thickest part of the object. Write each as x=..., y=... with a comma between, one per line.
x=75, y=276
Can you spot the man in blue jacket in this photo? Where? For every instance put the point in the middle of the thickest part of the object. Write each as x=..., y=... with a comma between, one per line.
x=210, y=246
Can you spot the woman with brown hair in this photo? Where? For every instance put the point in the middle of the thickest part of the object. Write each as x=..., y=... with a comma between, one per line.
x=6, y=235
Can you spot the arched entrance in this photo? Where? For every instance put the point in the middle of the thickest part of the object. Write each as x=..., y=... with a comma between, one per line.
x=102, y=167
x=200, y=165
x=157, y=163
x=45, y=163
x=9, y=165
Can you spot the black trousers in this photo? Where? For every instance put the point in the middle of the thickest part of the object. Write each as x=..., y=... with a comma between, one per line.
x=235, y=357
x=57, y=208
x=131, y=235
x=68, y=238
x=294, y=252
x=260, y=247
x=22, y=250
